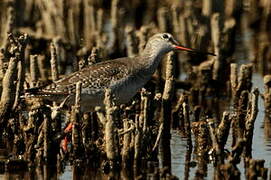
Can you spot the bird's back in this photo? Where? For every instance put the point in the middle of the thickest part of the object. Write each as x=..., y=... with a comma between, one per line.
x=94, y=78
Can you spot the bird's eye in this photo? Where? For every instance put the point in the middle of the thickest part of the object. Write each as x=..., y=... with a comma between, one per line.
x=165, y=36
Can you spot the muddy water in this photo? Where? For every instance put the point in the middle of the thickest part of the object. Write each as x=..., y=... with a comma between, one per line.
x=261, y=150
x=261, y=142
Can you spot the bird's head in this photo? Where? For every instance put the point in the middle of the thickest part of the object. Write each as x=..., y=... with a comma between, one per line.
x=164, y=43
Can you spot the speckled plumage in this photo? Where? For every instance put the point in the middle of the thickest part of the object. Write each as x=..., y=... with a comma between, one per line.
x=125, y=76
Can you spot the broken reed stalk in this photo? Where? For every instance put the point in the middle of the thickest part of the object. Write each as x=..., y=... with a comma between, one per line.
x=18, y=49
x=89, y=21
x=59, y=55
x=9, y=24
x=2, y=60
x=240, y=99
x=75, y=120
x=233, y=79
x=245, y=79
x=126, y=149
x=42, y=68
x=207, y=8
x=130, y=44
x=175, y=20
x=162, y=21
x=223, y=129
x=144, y=109
x=189, y=146
x=202, y=146
x=53, y=61
x=166, y=112
x=46, y=139
x=241, y=114
x=177, y=116
x=249, y=122
x=100, y=22
x=138, y=144
x=19, y=84
x=115, y=23
x=215, y=144
x=33, y=70
x=142, y=35
x=110, y=132
x=216, y=38
x=141, y=131
x=187, y=122
x=9, y=89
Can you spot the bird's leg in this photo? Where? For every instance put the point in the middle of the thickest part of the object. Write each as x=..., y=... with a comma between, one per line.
x=55, y=112
x=130, y=129
x=31, y=119
x=101, y=115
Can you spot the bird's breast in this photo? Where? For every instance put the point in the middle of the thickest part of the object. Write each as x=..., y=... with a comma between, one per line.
x=125, y=89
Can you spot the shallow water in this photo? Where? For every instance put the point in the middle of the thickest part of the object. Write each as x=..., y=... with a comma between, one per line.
x=261, y=147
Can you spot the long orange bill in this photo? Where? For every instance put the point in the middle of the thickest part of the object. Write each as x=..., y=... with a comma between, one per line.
x=193, y=50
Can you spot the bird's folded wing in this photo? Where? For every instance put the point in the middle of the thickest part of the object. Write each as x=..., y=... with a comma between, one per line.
x=93, y=78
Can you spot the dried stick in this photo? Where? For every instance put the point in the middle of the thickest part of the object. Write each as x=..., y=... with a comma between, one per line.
x=115, y=22
x=137, y=144
x=2, y=60
x=215, y=144
x=42, y=68
x=233, y=78
x=130, y=41
x=207, y=6
x=166, y=110
x=111, y=134
x=126, y=150
x=46, y=135
x=142, y=36
x=9, y=88
x=9, y=25
x=20, y=45
x=216, y=37
x=202, y=145
x=54, y=67
x=249, y=124
x=33, y=70
x=75, y=117
x=162, y=21
x=223, y=129
x=19, y=84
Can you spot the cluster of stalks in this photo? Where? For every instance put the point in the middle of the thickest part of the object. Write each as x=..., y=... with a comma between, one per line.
x=129, y=140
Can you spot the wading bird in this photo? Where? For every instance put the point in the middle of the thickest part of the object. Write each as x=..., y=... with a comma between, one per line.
x=124, y=76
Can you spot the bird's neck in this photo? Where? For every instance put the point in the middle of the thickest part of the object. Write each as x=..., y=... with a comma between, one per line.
x=151, y=58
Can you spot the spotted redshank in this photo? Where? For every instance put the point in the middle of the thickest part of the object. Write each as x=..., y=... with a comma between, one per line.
x=124, y=76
